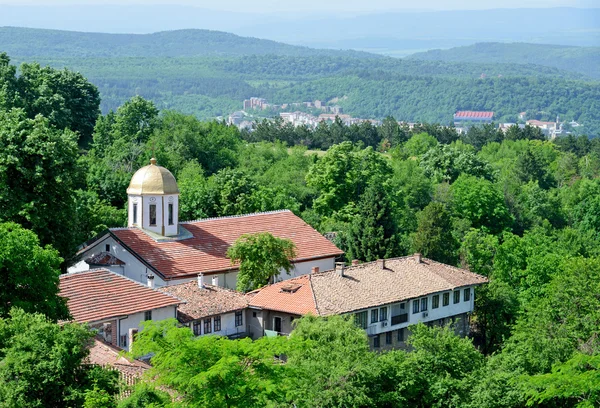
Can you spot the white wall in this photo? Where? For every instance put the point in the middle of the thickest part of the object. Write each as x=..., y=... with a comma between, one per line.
x=228, y=326
x=303, y=268
x=133, y=321
x=432, y=315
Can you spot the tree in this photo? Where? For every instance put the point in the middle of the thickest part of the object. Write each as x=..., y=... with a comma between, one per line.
x=372, y=233
x=328, y=363
x=29, y=274
x=261, y=256
x=38, y=172
x=418, y=145
x=444, y=163
x=433, y=238
x=342, y=175
x=211, y=371
x=65, y=98
x=480, y=202
x=42, y=363
x=531, y=166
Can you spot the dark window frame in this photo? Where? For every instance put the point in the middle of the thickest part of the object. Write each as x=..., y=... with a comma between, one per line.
x=467, y=295
x=152, y=217
x=170, y=213
x=456, y=295
x=435, y=301
x=446, y=299
x=148, y=315
x=388, y=338
x=207, y=325
x=374, y=315
x=217, y=324
x=135, y=213
x=376, y=341
x=424, y=304
x=416, y=306
x=383, y=314
x=239, y=319
x=197, y=327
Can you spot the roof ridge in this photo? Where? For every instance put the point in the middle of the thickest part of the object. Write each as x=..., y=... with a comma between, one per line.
x=235, y=216
x=95, y=270
x=312, y=292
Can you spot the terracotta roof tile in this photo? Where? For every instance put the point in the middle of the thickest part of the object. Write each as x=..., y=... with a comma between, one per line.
x=200, y=303
x=363, y=286
x=104, y=354
x=99, y=294
x=473, y=114
x=205, y=251
x=293, y=296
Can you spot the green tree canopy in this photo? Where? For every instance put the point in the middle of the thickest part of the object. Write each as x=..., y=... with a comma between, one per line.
x=42, y=363
x=29, y=274
x=261, y=256
x=433, y=238
x=38, y=173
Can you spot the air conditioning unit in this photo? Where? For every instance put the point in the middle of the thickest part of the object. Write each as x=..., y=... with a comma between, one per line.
x=384, y=323
x=425, y=314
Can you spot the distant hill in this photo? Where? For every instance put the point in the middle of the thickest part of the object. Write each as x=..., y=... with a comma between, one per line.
x=584, y=60
x=33, y=42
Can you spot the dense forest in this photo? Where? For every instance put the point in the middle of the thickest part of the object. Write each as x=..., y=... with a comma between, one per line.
x=584, y=60
x=514, y=207
x=191, y=78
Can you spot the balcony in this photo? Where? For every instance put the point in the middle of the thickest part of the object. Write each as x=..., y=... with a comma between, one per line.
x=402, y=318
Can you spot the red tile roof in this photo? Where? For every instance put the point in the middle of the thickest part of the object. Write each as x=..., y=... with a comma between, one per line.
x=107, y=355
x=293, y=296
x=363, y=286
x=201, y=303
x=473, y=114
x=98, y=294
x=205, y=251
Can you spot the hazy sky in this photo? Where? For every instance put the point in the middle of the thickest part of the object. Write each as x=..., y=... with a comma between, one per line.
x=313, y=6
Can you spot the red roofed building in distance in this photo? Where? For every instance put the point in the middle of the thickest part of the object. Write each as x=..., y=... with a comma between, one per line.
x=156, y=245
x=462, y=118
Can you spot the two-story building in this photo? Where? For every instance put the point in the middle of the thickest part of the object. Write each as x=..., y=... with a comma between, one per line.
x=113, y=304
x=385, y=297
x=156, y=245
x=210, y=309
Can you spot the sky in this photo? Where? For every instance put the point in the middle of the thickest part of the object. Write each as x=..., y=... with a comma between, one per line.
x=287, y=6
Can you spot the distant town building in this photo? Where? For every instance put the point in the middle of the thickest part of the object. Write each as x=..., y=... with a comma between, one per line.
x=462, y=118
x=255, y=103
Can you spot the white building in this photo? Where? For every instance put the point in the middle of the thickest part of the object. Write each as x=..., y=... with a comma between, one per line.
x=156, y=245
x=113, y=304
x=210, y=309
x=385, y=297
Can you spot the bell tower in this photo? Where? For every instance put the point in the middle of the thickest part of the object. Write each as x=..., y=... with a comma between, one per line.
x=153, y=200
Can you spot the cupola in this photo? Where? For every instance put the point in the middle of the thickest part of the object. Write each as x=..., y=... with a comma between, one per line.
x=154, y=200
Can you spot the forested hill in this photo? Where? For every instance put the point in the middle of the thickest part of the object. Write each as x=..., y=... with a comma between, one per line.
x=32, y=42
x=584, y=60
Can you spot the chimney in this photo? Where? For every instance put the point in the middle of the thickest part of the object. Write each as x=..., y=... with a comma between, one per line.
x=355, y=262
x=201, y=281
x=417, y=257
x=339, y=267
x=381, y=263
x=215, y=280
x=315, y=269
x=151, y=281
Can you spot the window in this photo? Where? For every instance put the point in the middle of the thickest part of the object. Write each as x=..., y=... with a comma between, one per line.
x=374, y=315
x=239, y=320
x=388, y=337
x=197, y=328
x=135, y=213
x=456, y=296
x=253, y=314
x=446, y=299
x=435, y=301
x=467, y=294
x=415, y=306
x=360, y=319
x=207, y=326
x=383, y=314
x=170, y=213
x=153, y=215
x=401, y=335
x=376, y=342
x=107, y=247
x=123, y=341
x=424, y=302
x=217, y=323
x=148, y=315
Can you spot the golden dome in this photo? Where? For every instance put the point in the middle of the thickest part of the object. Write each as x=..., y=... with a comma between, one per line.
x=152, y=179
